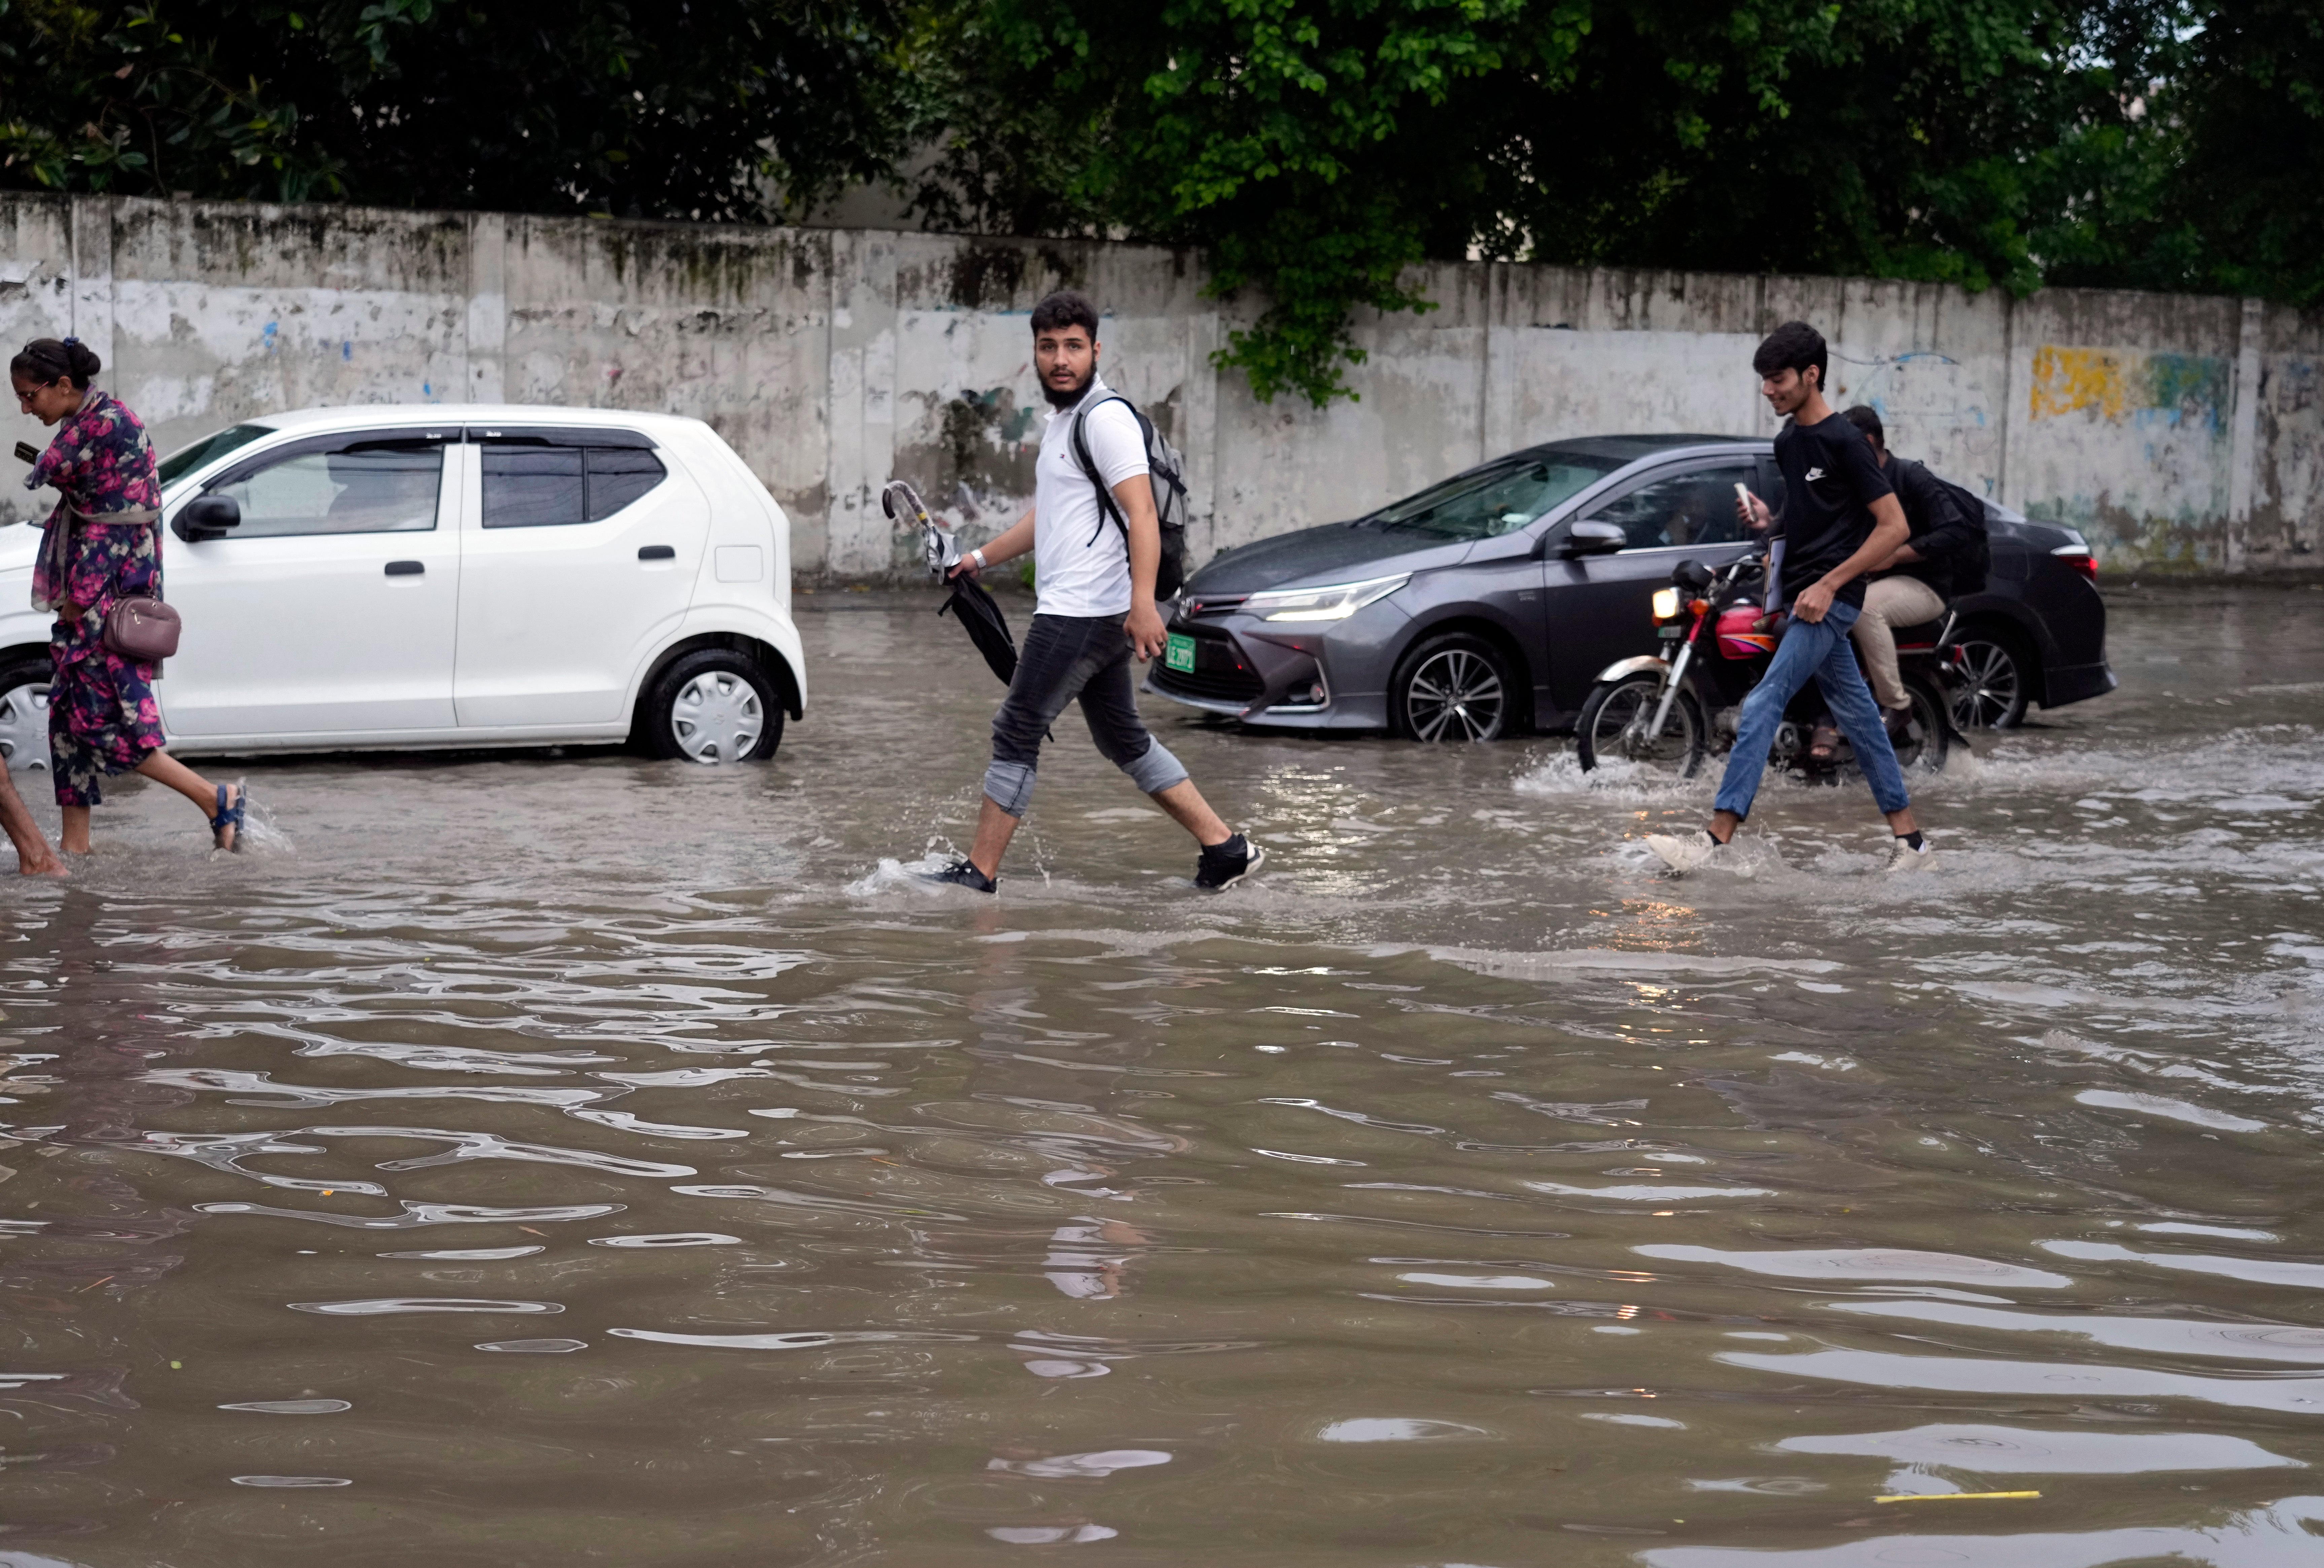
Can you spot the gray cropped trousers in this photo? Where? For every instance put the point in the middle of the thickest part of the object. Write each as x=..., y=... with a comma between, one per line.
x=1067, y=657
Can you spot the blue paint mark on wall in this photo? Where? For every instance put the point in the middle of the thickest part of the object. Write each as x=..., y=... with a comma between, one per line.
x=274, y=330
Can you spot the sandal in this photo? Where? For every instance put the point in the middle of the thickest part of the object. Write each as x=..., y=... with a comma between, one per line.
x=1821, y=740
x=229, y=816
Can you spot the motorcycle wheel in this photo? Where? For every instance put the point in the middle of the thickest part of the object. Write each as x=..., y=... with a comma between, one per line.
x=1927, y=734
x=1602, y=733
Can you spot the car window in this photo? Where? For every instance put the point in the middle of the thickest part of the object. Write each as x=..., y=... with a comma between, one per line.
x=527, y=487
x=1493, y=501
x=186, y=459
x=374, y=487
x=618, y=475
x=1693, y=506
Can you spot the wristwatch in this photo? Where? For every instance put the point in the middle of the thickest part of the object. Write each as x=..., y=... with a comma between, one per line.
x=978, y=557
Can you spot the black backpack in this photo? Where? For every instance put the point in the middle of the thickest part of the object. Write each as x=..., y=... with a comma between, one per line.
x=1975, y=563
x=1166, y=470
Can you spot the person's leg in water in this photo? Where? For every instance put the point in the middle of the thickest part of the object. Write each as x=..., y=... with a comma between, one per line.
x=1109, y=702
x=225, y=820
x=1061, y=661
x=1803, y=648
x=1059, y=656
x=34, y=858
x=80, y=766
x=1850, y=701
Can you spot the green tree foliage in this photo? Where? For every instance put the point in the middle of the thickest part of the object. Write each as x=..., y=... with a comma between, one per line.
x=2244, y=211
x=1320, y=147
x=694, y=108
x=1316, y=149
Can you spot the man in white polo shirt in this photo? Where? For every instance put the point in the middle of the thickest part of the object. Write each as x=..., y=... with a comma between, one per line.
x=1094, y=576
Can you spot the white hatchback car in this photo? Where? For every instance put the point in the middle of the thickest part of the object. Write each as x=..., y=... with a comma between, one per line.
x=435, y=576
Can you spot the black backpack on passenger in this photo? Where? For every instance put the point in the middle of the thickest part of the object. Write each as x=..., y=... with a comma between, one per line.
x=1975, y=563
x=1166, y=470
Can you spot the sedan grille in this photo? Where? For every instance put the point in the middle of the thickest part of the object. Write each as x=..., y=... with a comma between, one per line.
x=1220, y=674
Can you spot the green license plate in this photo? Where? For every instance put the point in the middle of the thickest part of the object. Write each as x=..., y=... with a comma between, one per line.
x=1180, y=654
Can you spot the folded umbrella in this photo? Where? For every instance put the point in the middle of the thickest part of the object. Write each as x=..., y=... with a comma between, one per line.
x=974, y=609
x=969, y=605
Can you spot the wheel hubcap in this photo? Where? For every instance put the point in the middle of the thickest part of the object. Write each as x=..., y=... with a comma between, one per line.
x=717, y=717
x=1455, y=695
x=1988, y=689
x=25, y=728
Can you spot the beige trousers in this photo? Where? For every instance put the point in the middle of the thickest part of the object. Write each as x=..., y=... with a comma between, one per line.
x=1888, y=603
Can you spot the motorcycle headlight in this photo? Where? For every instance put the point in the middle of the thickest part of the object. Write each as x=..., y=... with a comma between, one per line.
x=1666, y=604
x=1335, y=603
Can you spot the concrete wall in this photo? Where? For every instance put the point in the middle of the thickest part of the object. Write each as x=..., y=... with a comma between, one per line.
x=2178, y=433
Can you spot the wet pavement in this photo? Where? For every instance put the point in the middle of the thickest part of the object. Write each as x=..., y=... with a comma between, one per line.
x=549, y=1160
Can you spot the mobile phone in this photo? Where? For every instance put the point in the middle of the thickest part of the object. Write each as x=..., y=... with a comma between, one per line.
x=27, y=452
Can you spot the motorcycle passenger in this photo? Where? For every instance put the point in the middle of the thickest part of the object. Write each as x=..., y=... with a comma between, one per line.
x=1911, y=586
x=1841, y=518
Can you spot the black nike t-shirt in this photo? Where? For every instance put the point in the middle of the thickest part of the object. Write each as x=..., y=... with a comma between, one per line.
x=1830, y=480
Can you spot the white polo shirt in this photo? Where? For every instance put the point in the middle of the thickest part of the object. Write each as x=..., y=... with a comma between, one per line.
x=1080, y=562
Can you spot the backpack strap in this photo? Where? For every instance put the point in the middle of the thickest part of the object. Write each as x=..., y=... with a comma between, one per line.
x=1107, y=508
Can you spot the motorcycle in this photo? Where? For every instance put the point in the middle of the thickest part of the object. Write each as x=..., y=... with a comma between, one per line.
x=1716, y=643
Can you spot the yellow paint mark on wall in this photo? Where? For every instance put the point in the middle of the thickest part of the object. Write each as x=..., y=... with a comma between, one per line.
x=2069, y=380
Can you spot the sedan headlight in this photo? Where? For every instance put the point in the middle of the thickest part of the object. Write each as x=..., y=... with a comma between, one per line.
x=1335, y=603
x=1666, y=604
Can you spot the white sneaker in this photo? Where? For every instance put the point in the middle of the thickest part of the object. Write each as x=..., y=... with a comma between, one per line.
x=1689, y=852
x=1904, y=859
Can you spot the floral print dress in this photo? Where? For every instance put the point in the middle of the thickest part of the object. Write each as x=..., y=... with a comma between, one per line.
x=103, y=719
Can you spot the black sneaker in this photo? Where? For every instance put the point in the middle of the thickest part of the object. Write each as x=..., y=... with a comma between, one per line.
x=961, y=873
x=1225, y=865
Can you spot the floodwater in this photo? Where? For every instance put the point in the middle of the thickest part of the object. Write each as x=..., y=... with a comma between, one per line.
x=542, y=1161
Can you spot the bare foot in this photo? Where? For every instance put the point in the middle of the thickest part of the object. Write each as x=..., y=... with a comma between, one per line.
x=47, y=865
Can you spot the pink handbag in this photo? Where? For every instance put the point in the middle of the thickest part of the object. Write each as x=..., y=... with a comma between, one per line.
x=142, y=629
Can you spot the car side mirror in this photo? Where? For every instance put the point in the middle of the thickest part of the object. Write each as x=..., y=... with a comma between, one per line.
x=1592, y=539
x=209, y=517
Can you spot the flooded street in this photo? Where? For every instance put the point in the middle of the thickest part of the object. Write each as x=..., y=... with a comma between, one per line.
x=549, y=1160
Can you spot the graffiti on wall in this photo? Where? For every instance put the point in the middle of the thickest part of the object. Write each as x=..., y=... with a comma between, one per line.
x=2168, y=388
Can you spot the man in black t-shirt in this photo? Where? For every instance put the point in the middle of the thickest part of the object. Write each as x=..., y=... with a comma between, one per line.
x=1841, y=518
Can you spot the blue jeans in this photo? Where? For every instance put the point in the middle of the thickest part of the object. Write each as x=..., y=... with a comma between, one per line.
x=1821, y=649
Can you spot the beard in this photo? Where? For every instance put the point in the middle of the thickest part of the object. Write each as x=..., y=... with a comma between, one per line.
x=1066, y=400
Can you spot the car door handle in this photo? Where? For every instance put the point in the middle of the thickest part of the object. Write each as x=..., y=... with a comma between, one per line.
x=656, y=552
x=405, y=569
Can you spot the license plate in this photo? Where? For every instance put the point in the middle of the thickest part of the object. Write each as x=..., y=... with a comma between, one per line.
x=1180, y=654
x=1668, y=632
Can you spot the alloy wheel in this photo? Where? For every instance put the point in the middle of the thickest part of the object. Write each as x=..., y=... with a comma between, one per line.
x=717, y=717
x=1454, y=695
x=1990, y=693
x=24, y=727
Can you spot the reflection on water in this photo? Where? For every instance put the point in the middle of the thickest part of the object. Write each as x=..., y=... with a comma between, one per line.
x=578, y=1160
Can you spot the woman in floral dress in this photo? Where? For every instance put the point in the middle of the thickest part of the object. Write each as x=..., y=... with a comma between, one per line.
x=101, y=543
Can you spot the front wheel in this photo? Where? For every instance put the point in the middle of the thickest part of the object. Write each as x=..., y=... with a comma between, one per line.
x=24, y=714
x=712, y=705
x=1454, y=687
x=1613, y=726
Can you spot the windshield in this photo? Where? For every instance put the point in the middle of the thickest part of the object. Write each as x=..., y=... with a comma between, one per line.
x=1494, y=501
x=186, y=459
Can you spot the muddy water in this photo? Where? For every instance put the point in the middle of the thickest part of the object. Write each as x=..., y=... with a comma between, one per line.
x=544, y=1161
